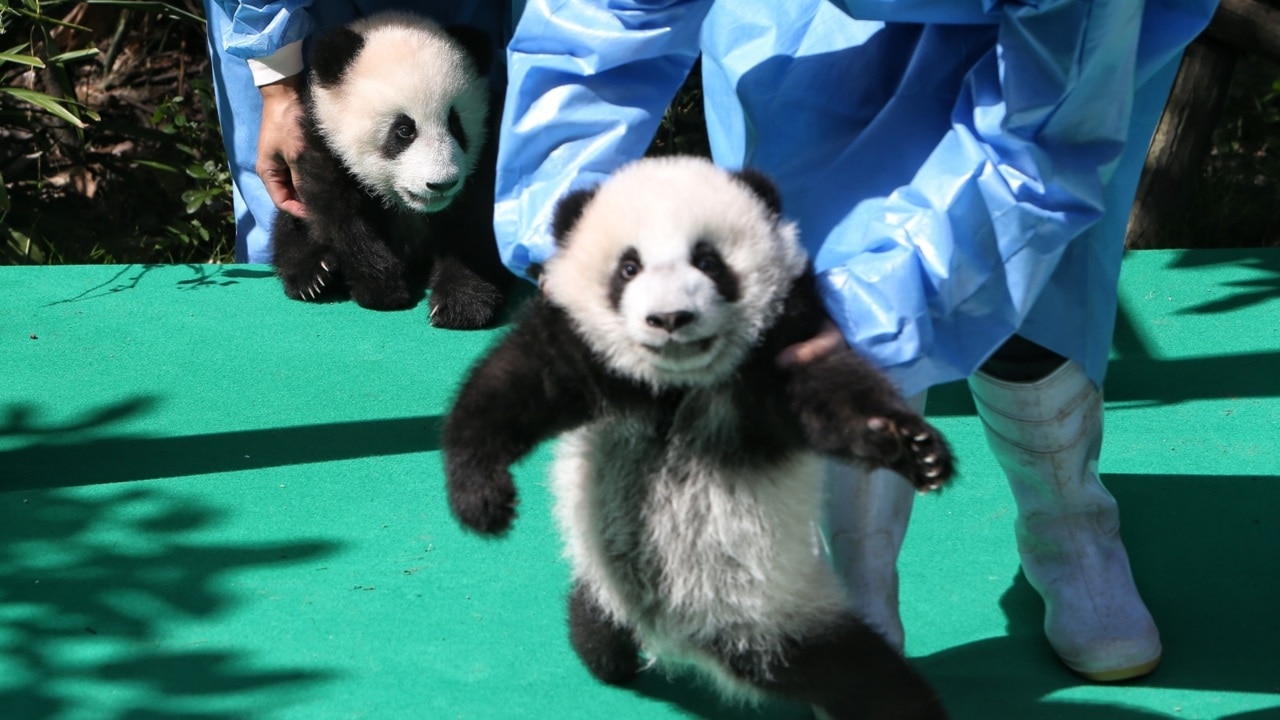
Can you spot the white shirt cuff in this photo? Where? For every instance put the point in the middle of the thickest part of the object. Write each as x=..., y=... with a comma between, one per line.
x=283, y=63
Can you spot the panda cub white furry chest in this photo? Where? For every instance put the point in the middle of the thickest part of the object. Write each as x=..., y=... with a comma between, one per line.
x=397, y=172
x=688, y=482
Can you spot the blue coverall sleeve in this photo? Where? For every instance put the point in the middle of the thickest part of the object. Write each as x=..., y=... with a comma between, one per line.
x=949, y=265
x=258, y=29
x=588, y=84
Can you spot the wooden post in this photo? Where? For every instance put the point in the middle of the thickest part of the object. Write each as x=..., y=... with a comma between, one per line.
x=1184, y=136
x=1181, y=142
x=1248, y=26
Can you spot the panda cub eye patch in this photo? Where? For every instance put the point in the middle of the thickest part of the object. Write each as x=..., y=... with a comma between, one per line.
x=455, y=128
x=629, y=266
x=403, y=132
x=708, y=261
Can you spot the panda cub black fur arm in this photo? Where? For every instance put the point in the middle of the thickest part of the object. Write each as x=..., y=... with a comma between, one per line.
x=539, y=381
x=841, y=404
x=846, y=408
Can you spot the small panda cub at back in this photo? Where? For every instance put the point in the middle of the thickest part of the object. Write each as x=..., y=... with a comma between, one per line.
x=397, y=172
x=688, y=483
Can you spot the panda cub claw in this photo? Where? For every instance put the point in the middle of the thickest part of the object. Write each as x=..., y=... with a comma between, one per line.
x=318, y=283
x=912, y=448
x=464, y=311
x=315, y=284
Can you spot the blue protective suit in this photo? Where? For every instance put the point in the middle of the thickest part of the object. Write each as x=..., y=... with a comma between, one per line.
x=239, y=31
x=961, y=170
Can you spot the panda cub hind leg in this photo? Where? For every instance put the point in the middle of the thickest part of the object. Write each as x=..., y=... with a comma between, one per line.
x=608, y=650
x=460, y=298
x=379, y=286
x=846, y=671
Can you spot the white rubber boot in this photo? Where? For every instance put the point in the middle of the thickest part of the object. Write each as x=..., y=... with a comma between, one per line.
x=867, y=514
x=1047, y=436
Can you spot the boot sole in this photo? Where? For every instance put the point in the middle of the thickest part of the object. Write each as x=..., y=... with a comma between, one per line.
x=1118, y=674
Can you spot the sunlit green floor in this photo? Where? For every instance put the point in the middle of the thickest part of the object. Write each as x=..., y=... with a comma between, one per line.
x=219, y=503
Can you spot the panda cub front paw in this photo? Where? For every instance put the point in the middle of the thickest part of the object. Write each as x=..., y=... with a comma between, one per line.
x=471, y=309
x=486, y=506
x=912, y=448
x=312, y=280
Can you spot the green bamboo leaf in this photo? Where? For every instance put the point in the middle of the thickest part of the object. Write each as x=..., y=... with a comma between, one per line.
x=33, y=13
x=46, y=102
x=74, y=55
x=158, y=166
x=21, y=59
x=24, y=247
x=4, y=196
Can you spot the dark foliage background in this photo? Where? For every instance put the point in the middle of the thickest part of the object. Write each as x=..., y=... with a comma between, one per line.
x=110, y=150
x=109, y=144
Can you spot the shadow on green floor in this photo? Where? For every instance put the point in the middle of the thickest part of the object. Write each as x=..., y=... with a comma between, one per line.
x=93, y=590
x=78, y=453
x=1247, y=292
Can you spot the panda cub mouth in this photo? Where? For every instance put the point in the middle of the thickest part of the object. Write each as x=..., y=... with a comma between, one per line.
x=677, y=351
x=427, y=203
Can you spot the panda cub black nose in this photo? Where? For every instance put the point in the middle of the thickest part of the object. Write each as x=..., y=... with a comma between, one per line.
x=671, y=321
x=443, y=187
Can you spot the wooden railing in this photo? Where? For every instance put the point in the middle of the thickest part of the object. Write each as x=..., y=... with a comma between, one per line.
x=1183, y=138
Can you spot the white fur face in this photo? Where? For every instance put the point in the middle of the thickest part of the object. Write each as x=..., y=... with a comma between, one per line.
x=673, y=271
x=408, y=116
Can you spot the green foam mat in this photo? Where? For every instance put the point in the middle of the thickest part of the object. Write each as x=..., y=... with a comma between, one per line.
x=219, y=503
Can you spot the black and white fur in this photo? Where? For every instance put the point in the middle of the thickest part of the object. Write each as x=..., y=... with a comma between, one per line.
x=397, y=175
x=689, y=482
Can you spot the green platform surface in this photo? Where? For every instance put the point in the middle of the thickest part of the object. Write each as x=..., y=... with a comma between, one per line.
x=219, y=503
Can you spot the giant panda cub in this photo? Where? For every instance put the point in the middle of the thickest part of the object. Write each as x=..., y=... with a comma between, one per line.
x=689, y=482
x=397, y=174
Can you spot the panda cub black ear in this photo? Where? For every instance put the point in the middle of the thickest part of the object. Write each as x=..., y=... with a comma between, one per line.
x=477, y=43
x=333, y=52
x=763, y=187
x=568, y=212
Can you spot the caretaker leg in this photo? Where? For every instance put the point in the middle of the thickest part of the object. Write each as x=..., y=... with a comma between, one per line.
x=608, y=650
x=847, y=671
x=867, y=514
x=1043, y=421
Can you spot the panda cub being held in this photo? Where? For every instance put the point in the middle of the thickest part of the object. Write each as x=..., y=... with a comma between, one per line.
x=397, y=173
x=689, y=481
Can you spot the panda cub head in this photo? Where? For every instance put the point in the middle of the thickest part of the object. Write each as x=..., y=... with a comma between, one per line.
x=403, y=103
x=673, y=268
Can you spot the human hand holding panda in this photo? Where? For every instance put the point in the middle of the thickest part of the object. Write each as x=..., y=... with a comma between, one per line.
x=397, y=173
x=688, y=482
x=280, y=141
